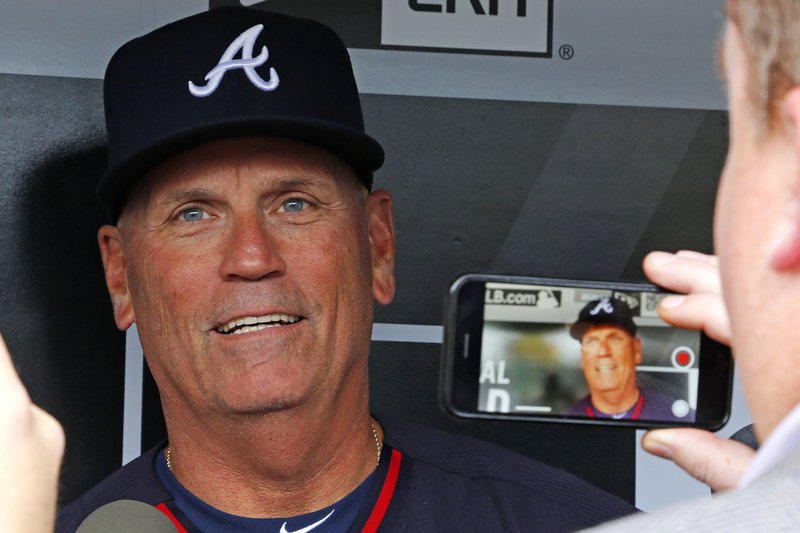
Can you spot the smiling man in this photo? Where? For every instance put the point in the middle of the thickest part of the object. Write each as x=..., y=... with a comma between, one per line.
x=610, y=352
x=249, y=249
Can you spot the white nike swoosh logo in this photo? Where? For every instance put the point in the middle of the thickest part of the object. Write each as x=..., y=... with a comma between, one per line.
x=307, y=528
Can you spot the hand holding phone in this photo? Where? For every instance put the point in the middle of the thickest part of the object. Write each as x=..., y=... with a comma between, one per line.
x=577, y=351
x=715, y=461
x=696, y=277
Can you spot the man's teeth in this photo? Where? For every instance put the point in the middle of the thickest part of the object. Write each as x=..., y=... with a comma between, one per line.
x=606, y=368
x=255, y=323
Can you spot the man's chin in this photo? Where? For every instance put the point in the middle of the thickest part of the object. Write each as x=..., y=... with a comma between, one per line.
x=260, y=406
x=604, y=388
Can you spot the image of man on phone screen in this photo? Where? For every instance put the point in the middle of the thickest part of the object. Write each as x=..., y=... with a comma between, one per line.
x=610, y=352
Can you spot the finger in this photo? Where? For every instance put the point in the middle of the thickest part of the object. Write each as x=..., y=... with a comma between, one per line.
x=9, y=380
x=699, y=256
x=698, y=311
x=717, y=462
x=43, y=422
x=49, y=428
x=684, y=272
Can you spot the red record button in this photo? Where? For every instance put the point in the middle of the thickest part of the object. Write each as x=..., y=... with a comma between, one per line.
x=683, y=357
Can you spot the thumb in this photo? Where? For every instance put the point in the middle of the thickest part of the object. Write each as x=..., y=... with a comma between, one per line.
x=719, y=463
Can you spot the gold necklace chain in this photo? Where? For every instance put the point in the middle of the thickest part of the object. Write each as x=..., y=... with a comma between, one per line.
x=378, y=445
x=378, y=448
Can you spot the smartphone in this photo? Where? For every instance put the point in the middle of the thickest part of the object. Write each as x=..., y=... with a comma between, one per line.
x=523, y=348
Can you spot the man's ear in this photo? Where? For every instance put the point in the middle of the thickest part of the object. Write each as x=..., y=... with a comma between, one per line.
x=785, y=254
x=638, y=348
x=380, y=227
x=115, y=265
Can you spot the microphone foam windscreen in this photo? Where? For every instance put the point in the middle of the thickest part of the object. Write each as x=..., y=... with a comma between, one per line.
x=127, y=516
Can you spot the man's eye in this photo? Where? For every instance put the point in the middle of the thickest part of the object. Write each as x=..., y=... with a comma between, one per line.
x=193, y=214
x=294, y=205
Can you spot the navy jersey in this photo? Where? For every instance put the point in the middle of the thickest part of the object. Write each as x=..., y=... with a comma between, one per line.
x=428, y=481
x=655, y=402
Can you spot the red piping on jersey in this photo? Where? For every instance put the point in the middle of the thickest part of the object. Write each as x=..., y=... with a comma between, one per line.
x=636, y=410
x=385, y=497
x=163, y=508
x=378, y=511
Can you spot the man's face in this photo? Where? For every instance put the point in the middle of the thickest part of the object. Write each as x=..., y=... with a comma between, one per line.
x=249, y=267
x=754, y=204
x=609, y=356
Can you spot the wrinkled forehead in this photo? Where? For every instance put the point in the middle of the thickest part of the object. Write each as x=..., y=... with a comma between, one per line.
x=225, y=163
x=605, y=330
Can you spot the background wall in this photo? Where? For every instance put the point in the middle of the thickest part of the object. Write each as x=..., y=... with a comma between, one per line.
x=569, y=161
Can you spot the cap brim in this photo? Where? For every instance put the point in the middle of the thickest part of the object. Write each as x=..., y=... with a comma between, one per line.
x=577, y=330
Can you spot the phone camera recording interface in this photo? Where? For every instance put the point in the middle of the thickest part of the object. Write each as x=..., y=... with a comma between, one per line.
x=588, y=353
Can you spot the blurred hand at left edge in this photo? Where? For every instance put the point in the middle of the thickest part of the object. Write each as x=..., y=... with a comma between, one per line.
x=31, y=450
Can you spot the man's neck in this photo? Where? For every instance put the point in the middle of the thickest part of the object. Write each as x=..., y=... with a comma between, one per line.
x=615, y=402
x=274, y=465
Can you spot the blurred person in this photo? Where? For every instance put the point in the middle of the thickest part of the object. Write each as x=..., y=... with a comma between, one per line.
x=757, y=239
x=31, y=449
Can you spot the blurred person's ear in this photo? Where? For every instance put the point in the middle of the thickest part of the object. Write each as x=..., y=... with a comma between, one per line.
x=785, y=253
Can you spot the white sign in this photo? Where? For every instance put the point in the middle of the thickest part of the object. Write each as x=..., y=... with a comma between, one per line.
x=513, y=26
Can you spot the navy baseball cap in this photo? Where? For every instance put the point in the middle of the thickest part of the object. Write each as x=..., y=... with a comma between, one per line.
x=605, y=311
x=230, y=72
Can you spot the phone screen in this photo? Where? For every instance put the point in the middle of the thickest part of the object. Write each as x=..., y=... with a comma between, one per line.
x=580, y=351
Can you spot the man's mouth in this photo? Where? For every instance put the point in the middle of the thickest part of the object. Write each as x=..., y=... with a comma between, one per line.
x=607, y=367
x=254, y=323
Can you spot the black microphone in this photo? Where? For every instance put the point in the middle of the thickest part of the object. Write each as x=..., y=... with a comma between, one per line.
x=127, y=516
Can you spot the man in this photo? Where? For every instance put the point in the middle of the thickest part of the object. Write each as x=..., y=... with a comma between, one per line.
x=248, y=250
x=757, y=236
x=610, y=352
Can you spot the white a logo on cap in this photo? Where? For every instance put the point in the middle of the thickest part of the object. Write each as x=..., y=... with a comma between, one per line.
x=603, y=306
x=244, y=42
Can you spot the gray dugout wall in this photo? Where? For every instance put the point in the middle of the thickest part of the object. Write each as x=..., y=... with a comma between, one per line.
x=549, y=138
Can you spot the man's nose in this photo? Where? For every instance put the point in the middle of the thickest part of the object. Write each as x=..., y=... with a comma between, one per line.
x=604, y=349
x=251, y=252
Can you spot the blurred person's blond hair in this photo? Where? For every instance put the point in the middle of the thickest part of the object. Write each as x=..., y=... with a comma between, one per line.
x=770, y=36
